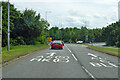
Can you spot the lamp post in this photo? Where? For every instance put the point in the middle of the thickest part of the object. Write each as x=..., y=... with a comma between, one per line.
x=8, y=48
x=0, y=27
x=46, y=12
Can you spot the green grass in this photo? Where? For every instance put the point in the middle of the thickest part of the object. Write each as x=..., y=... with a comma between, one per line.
x=21, y=50
x=112, y=51
x=98, y=43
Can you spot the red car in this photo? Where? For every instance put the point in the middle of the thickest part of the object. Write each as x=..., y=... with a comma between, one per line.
x=57, y=44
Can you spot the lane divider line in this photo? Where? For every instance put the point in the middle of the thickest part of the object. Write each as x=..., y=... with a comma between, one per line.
x=88, y=72
x=69, y=49
x=71, y=53
x=81, y=65
x=74, y=57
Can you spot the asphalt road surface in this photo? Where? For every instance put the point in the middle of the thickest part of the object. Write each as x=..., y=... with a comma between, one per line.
x=73, y=61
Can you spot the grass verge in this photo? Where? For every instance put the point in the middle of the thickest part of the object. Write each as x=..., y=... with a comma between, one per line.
x=112, y=51
x=18, y=51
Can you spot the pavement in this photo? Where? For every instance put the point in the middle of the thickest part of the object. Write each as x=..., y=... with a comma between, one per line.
x=73, y=61
x=102, y=45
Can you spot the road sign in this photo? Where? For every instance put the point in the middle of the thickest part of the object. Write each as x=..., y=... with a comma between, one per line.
x=49, y=39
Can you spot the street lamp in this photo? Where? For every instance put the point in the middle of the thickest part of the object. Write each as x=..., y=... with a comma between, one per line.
x=0, y=27
x=8, y=48
x=46, y=12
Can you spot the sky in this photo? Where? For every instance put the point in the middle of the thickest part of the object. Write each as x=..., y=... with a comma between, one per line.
x=73, y=13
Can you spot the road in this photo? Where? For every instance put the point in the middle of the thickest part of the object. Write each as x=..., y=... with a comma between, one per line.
x=74, y=61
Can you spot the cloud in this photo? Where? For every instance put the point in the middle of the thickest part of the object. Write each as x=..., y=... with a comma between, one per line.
x=73, y=13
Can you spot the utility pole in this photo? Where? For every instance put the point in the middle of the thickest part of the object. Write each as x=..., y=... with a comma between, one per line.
x=46, y=12
x=0, y=27
x=47, y=21
x=8, y=48
x=119, y=11
x=0, y=39
x=61, y=31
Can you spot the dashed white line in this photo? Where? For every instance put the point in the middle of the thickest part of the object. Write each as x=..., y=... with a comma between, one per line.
x=72, y=53
x=82, y=66
x=68, y=48
x=88, y=72
x=74, y=57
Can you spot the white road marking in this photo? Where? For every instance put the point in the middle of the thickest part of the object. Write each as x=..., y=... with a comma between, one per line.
x=40, y=58
x=88, y=72
x=68, y=49
x=52, y=54
x=94, y=58
x=90, y=54
x=32, y=59
x=103, y=65
x=45, y=60
x=56, y=59
x=92, y=64
x=102, y=61
x=74, y=57
x=112, y=64
x=72, y=53
x=98, y=64
x=35, y=58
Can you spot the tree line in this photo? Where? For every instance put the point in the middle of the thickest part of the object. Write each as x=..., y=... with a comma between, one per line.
x=28, y=28
x=109, y=34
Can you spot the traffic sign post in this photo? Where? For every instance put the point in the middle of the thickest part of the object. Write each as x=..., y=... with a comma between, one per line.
x=49, y=39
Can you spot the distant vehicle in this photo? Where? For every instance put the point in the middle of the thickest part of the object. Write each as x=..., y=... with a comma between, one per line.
x=57, y=44
x=79, y=42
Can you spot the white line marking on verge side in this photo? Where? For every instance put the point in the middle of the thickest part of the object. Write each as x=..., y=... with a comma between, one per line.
x=88, y=72
x=72, y=53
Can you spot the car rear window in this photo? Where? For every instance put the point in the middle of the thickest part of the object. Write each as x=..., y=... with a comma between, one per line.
x=56, y=41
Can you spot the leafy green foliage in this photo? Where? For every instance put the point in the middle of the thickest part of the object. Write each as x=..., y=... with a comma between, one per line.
x=28, y=28
x=112, y=34
x=25, y=27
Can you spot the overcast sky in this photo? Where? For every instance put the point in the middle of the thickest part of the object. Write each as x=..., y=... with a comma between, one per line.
x=73, y=13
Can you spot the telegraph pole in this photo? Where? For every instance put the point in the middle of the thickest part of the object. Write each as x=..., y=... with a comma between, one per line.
x=47, y=21
x=0, y=27
x=8, y=48
x=119, y=11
